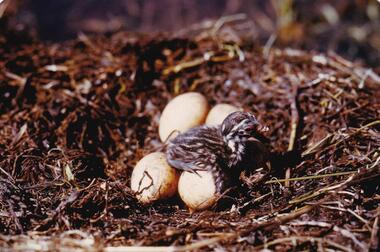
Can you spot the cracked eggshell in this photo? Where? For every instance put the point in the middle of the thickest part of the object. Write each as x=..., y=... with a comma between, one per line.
x=219, y=112
x=184, y=112
x=197, y=190
x=153, y=179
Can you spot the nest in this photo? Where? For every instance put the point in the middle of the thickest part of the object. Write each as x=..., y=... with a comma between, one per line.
x=76, y=117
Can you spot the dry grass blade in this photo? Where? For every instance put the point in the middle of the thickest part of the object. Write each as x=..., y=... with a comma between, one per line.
x=309, y=177
x=294, y=239
x=374, y=244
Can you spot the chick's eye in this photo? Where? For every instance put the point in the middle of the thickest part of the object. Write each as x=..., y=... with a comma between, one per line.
x=243, y=133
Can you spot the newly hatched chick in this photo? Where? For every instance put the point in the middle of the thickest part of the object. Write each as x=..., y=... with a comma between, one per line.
x=224, y=150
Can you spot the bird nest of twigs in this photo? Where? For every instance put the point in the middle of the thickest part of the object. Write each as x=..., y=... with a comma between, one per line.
x=75, y=118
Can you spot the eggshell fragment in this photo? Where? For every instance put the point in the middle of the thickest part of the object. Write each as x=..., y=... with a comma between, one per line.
x=153, y=179
x=219, y=112
x=197, y=190
x=182, y=113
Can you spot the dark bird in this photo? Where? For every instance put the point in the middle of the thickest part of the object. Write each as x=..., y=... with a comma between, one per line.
x=225, y=150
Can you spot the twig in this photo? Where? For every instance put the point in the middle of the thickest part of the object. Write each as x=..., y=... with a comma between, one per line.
x=310, y=177
x=194, y=246
x=348, y=234
x=360, y=218
x=311, y=223
x=266, y=225
x=19, y=80
x=210, y=56
x=15, y=217
x=226, y=19
x=313, y=148
x=184, y=65
x=323, y=190
x=351, y=212
x=374, y=242
x=294, y=125
x=311, y=239
x=268, y=45
x=363, y=79
x=321, y=77
x=354, y=178
x=373, y=75
x=140, y=249
x=9, y=176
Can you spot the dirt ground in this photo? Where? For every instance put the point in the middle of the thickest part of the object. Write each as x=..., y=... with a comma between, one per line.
x=76, y=116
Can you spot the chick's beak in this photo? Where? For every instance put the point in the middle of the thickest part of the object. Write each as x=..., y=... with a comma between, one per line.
x=258, y=127
x=262, y=128
x=253, y=139
x=257, y=135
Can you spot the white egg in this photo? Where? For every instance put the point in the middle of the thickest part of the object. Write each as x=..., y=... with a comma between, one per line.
x=184, y=112
x=153, y=179
x=219, y=112
x=197, y=190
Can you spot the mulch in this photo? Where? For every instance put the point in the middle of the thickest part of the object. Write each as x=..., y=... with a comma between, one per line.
x=76, y=116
